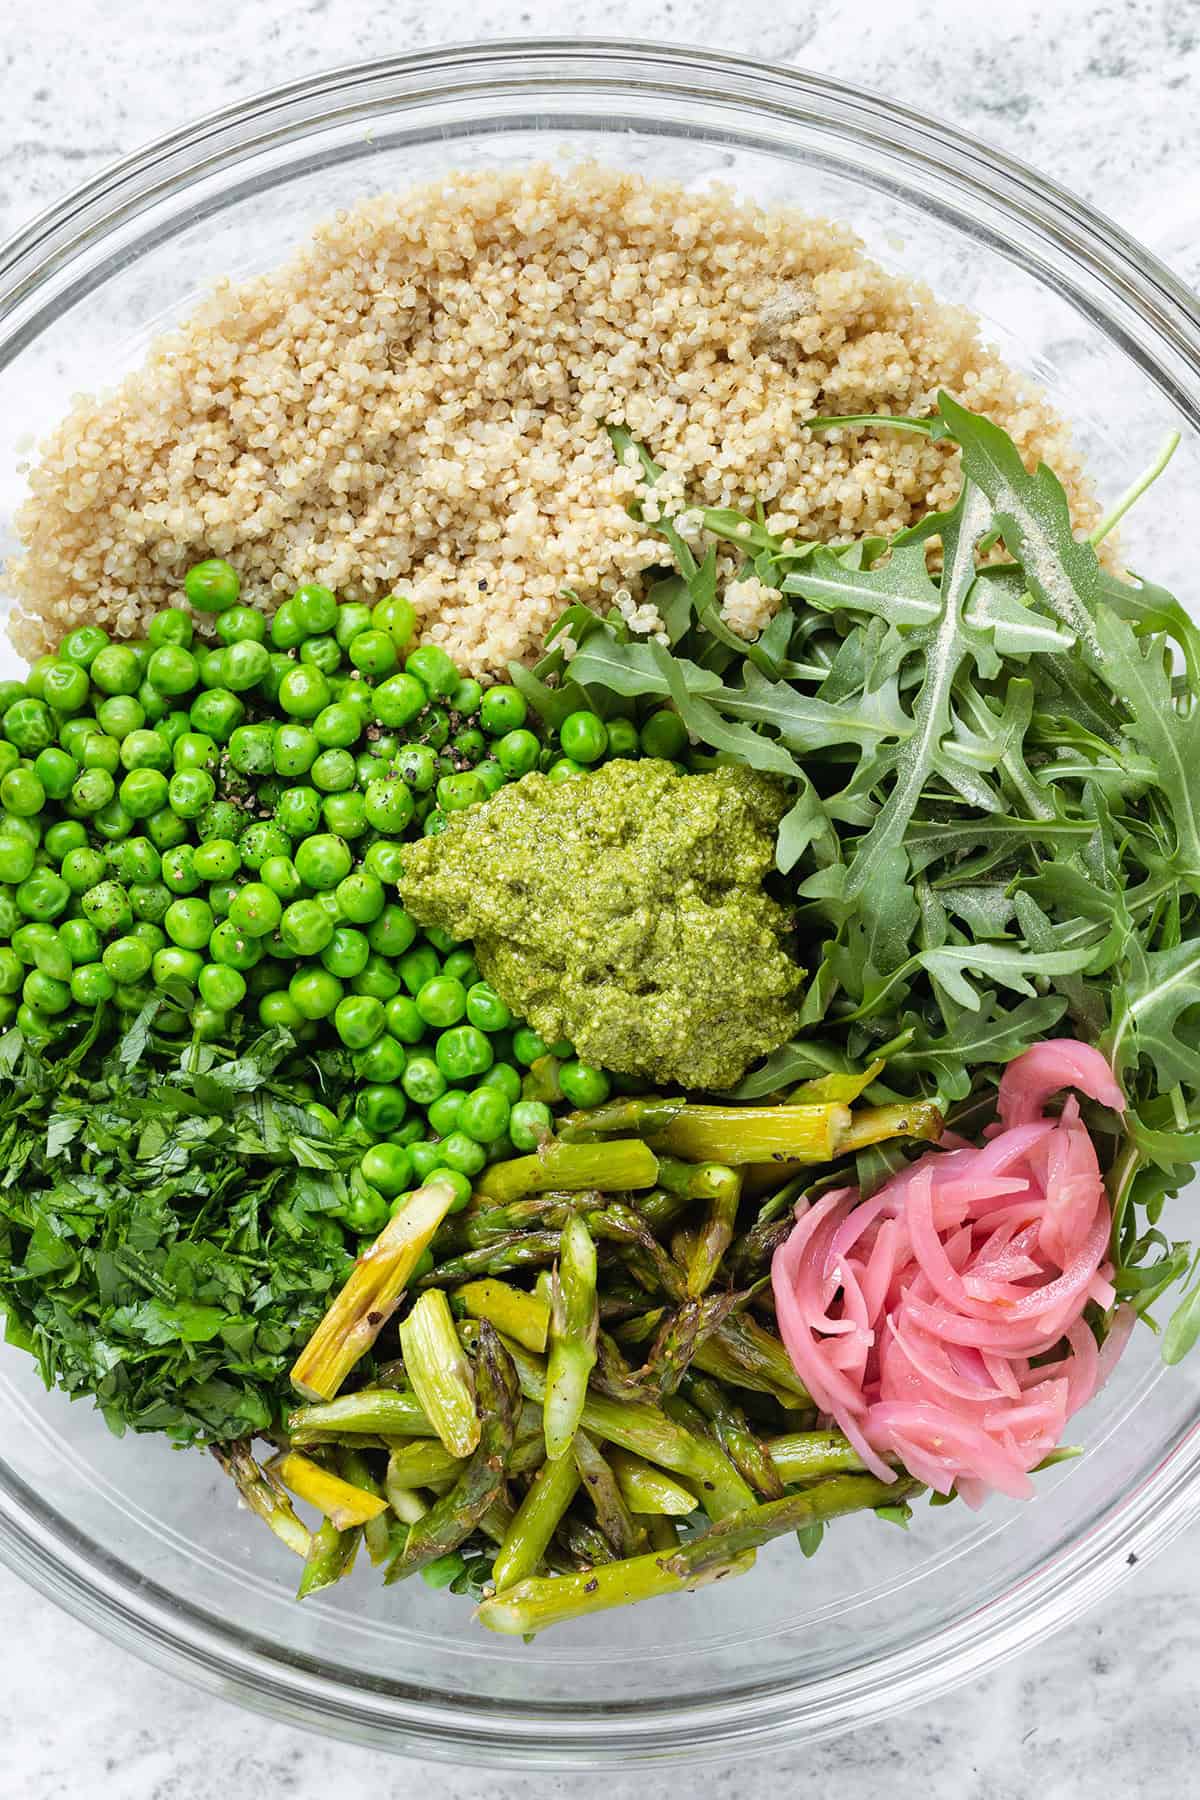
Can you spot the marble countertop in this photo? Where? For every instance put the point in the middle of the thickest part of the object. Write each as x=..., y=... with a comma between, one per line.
x=1106, y=98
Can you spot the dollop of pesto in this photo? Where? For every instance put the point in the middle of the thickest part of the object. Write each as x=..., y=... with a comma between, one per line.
x=624, y=910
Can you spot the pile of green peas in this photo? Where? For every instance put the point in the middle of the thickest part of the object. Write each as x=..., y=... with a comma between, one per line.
x=220, y=824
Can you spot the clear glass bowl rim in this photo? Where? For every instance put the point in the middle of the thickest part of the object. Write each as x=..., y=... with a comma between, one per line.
x=77, y=1574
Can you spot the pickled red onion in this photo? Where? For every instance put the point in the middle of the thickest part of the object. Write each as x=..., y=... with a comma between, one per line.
x=913, y=1318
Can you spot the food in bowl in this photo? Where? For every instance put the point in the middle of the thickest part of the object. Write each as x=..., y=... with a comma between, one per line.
x=594, y=1115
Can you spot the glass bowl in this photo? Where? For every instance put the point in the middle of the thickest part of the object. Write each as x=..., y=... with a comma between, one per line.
x=147, y=1543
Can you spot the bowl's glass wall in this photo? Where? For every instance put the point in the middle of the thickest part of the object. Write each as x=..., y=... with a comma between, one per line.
x=147, y=1541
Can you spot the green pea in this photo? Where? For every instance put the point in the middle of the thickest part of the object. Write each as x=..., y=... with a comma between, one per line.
x=346, y=953
x=166, y=829
x=149, y=933
x=564, y=769
x=42, y=946
x=294, y=749
x=321, y=653
x=98, y=751
x=231, y=946
x=113, y=821
x=10, y=756
x=241, y=624
x=107, y=906
x=255, y=910
x=381, y=1108
x=298, y=811
x=374, y=652
x=504, y=1076
x=361, y=897
x=389, y=804
x=45, y=994
x=120, y=714
x=397, y=616
x=441, y=1001
x=392, y=933
x=179, y=869
x=433, y=669
x=262, y=840
x=243, y=665
x=251, y=749
x=582, y=1084
x=127, y=959
x=383, y=1061
x=189, y=923
x=11, y=971
x=220, y=985
x=517, y=752
x=279, y=1008
x=116, y=670
x=195, y=750
x=29, y=725
x=385, y=860
x=149, y=901
x=303, y=693
x=279, y=873
x=16, y=859
x=171, y=626
x=144, y=791
x=211, y=664
x=333, y=771
x=404, y=1021
x=423, y=1080
x=529, y=1123
x=134, y=859
x=463, y=1051
x=142, y=749
x=378, y=979
x=83, y=645
x=491, y=775
x=399, y=699
x=81, y=869
x=622, y=738
x=66, y=835
x=216, y=712
x=305, y=927
x=322, y=861
x=486, y=1009
x=315, y=993
x=29, y=831
x=337, y=726
x=173, y=670
x=80, y=940
x=528, y=1046
x=91, y=983
x=358, y=1020
x=155, y=707
x=22, y=793
x=345, y=814
x=173, y=726
x=65, y=687
x=484, y=1115
x=42, y=895
x=216, y=860
x=443, y=1112
x=212, y=586
x=388, y=1168
x=419, y=966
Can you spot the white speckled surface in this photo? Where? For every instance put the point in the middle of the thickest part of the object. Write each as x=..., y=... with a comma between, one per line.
x=1107, y=99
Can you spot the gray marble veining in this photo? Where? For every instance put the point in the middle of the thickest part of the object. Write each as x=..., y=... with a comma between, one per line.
x=1105, y=97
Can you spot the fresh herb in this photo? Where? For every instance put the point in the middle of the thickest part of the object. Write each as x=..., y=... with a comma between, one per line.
x=167, y=1239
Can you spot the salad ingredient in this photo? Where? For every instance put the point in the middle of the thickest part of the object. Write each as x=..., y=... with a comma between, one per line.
x=538, y=1517
x=574, y=1319
x=342, y=1504
x=924, y=1319
x=624, y=913
x=452, y=1519
x=712, y=328
x=372, y=1294
x=439, y=1371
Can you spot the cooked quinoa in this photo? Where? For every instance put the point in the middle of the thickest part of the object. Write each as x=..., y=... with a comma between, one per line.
x=417, y=400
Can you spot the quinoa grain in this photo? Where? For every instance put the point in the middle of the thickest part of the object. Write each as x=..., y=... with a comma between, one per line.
x=418, y=399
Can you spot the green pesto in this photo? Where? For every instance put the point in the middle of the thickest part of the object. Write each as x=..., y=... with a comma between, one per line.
x=624, y=910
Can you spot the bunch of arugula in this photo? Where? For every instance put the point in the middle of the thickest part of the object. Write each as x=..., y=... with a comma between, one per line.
x=166, y=1233
x=995, y=831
